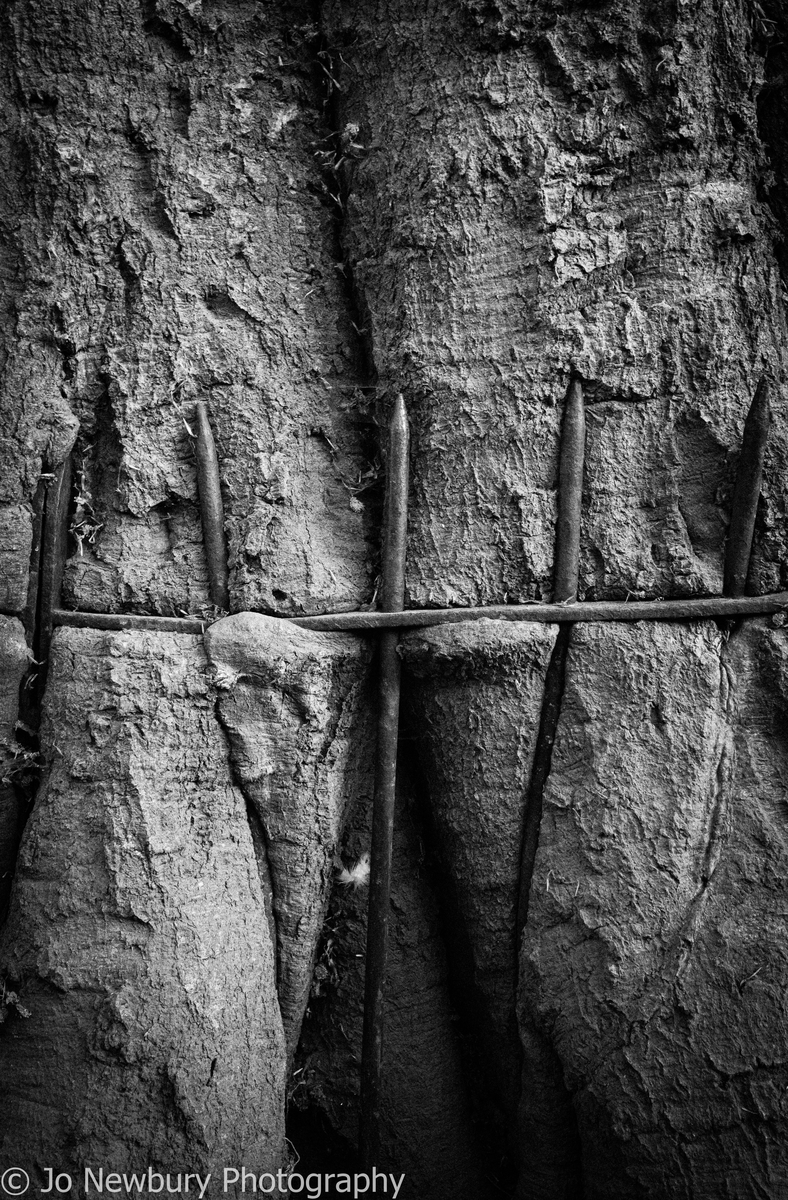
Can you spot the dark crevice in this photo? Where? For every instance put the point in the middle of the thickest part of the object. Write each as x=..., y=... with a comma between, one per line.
x=132, y=289
x=319, y=1146
x=336, y=156
x=485, y=1052
x=158, y=27
x=180, y=109
x=260, y=844
x=222, y=305
x=51, y=506
x=543, y=758
x=149, y=192
x=771, y=27
x=550, y=1149
x=102, y=457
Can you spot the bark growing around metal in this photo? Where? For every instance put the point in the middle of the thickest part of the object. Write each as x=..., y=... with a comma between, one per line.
x=296, y=708
x=137, y=937
x=654, y=959
x=270, y=207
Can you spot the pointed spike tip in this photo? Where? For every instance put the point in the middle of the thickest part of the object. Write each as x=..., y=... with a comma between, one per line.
x=399, y=416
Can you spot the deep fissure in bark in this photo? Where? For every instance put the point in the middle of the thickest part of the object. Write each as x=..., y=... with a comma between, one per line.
x=543, y=757
x=550, y=1163
x=336, y=159
x=772, y=25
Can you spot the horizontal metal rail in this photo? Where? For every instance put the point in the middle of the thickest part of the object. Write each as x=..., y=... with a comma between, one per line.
x=120, y=621
x=689, y=609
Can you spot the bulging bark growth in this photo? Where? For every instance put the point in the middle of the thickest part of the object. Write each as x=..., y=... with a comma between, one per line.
x=653, y=962
x=224, y=201
x=296, y=708
x=137, y=937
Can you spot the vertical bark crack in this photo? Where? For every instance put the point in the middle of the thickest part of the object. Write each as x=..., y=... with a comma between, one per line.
x=550, y=1152
x=543, y=757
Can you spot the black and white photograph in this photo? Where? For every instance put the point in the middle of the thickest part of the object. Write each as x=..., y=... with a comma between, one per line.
x=394, y=599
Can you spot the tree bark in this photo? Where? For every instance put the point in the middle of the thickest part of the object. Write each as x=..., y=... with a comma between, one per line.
x=292, y=212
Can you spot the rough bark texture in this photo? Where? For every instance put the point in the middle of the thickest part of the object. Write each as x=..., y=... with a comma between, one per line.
x=654, y=961
x=137, y=937
x=273, y=207
x=169, y=236
x=296, y=709
x=552, y=186
x=14, y=761
x=477, y=695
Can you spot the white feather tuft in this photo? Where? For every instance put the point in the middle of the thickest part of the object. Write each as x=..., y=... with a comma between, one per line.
x=358, y=875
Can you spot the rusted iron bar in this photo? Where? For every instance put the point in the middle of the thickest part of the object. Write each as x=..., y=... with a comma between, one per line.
x=418, y=618
x=211, y=509
x=540, y=771
x=121, y=621
x=691, y=609
x=745, y=496
x=570, y=496
x=567, y=561
x=392, y=600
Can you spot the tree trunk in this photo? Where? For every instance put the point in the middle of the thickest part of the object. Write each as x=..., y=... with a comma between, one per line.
x=293, y=212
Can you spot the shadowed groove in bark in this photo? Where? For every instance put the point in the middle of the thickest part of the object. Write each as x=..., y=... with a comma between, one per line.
x=493, y=1107
x=337, y=170
x=772, y=27
x=744, y=506
x=28, y=694
x=211, y=508
x=336, y=165
x=260, y=845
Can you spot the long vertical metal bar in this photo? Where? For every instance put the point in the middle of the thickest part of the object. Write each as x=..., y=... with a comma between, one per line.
x=392, y=600
x=211, y=509
x=570, y=495
x=54, y=546
x=565, y=579
x=745, y=496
